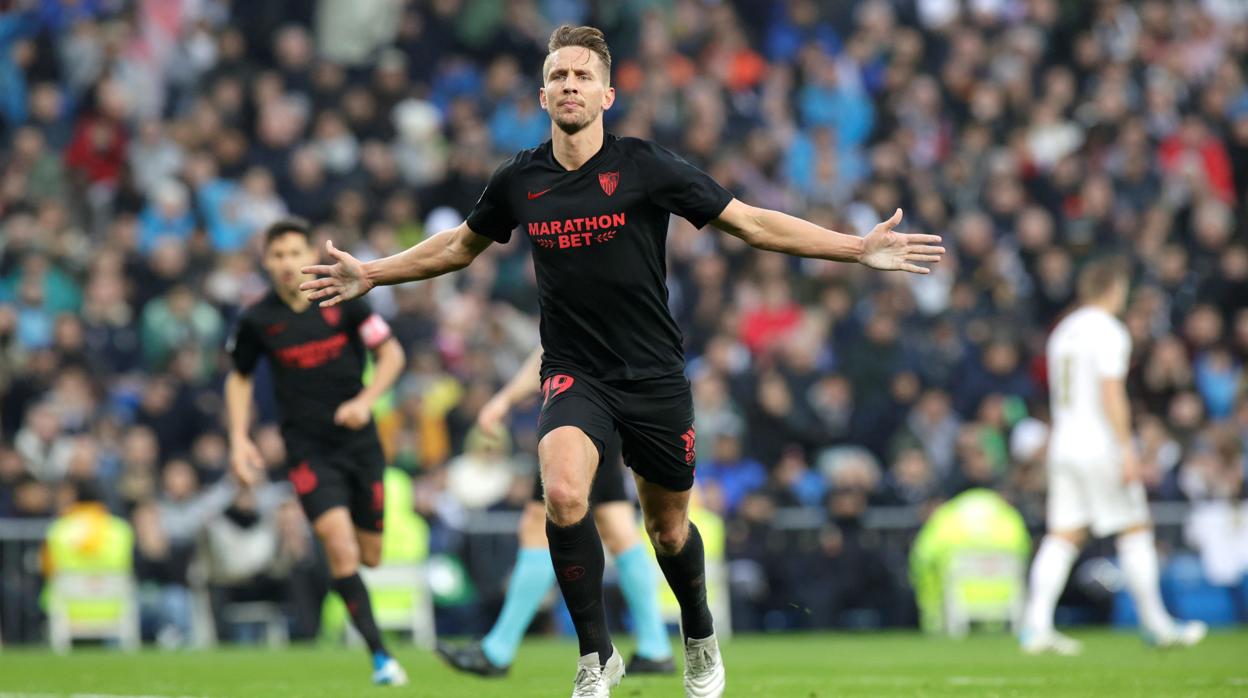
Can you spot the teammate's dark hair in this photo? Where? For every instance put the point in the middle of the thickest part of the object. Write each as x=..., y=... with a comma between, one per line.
x=591, y=38
x=1099, y=276
x=286, y=226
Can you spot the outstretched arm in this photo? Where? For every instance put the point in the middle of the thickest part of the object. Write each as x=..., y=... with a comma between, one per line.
x=882, y=249
x=525, y=383
x=449, y=250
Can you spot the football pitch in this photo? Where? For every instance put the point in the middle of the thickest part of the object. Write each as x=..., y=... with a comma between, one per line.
x=788, y=666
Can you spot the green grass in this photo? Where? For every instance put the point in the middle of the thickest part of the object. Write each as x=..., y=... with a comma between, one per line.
x=786, y=666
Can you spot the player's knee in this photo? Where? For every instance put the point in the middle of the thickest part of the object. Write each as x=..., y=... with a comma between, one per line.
x=343, y=555
x=533, y=527
x=566, y=502
x=619, y=533
x=667, y=537
x=617, y=540
x=370, y=557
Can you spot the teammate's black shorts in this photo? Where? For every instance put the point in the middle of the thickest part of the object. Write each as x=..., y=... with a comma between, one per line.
x=348, y=474
x=608, y=482
x=654, y=418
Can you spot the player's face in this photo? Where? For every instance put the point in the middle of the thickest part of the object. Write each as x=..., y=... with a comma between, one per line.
x=283, y=259
x=576, y=91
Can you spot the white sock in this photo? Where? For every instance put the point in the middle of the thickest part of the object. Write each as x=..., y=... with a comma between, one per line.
x=1137, y=555
x=1049, y=572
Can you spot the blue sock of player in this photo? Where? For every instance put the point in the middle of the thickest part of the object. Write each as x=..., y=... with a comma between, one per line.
x=637, y=581
x=530, y=580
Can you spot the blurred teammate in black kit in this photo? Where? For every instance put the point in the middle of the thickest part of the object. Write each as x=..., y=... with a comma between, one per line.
x=333, y=454
x=596, y=208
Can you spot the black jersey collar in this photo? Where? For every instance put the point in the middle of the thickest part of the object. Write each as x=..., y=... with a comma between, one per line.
x=608, y=140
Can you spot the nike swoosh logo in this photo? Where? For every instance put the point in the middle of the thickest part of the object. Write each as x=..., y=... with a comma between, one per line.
x=534, y=196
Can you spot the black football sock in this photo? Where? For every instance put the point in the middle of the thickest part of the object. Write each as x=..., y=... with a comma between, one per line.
x=355, y=595
x=576, y=552
x=686, y=575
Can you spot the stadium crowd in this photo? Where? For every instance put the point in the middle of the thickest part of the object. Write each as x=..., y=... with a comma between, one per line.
x=143, y=145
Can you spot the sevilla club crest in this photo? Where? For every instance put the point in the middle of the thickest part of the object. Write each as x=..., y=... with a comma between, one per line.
x=609, y=181
x=332, y=315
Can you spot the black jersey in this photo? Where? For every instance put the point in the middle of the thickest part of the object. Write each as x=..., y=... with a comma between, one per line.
x=317, y=357
x=599, y=235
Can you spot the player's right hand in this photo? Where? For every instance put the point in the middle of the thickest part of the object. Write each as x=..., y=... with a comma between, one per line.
x=245, y=462
x=339, y=282
x=491, y=417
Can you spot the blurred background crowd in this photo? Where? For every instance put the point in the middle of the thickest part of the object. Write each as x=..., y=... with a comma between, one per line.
x=144, y=143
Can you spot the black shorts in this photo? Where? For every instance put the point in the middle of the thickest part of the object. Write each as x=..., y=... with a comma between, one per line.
x=608, y=484
x=653, y=417
x=340, y=474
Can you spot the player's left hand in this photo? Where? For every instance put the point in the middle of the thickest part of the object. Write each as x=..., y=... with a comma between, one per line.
x=889, y=250
x=353, y=414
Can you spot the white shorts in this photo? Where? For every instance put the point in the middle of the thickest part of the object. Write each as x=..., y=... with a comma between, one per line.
x=1091, y=495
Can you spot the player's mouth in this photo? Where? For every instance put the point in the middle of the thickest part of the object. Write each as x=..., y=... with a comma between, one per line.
x=569, y=104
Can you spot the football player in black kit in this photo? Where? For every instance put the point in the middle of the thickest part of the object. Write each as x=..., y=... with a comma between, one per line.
x=334, y=457
x=596, y=209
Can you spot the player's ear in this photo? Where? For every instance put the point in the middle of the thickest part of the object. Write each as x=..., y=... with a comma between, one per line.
x=608, y=98
x=541, y=97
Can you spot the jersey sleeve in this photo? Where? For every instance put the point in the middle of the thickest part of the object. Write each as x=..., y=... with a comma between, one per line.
x=371, y=328
x=680, y=188
x=1113, y=356
x=492, y=215
x=243, y=346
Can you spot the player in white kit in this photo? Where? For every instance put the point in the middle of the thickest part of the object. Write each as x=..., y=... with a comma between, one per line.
x=1094, y=470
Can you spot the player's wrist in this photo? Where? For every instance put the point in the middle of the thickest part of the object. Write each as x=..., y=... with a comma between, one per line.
x=857, y=248
x=369, y=276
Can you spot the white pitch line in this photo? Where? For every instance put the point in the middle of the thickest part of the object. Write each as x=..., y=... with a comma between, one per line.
x=995, y=681
x=84, y=695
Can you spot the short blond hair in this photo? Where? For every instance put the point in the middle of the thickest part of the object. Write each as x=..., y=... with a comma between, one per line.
x=590, y=38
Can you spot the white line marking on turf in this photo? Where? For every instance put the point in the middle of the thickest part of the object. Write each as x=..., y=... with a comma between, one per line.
x=83, y=695
x=994, y=681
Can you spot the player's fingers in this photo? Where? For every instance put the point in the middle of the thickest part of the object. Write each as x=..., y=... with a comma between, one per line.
x=335, y=252
x=316, y=283
x=318, y=270
x=331, y=302
x=894, y=220
x=923, y=257
x=926, y=249
x=922, y=239
x=914, y=268
x=323, y=293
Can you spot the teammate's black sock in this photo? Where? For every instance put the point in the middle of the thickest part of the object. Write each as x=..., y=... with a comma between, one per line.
x=576, y=552
x=686, y=575
x=355, y=595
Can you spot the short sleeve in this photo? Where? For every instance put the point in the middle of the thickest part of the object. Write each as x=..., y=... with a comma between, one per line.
x=1114, y=353
x=244, y=347
x=372, y=328
x=492, y=215
x=680, y=188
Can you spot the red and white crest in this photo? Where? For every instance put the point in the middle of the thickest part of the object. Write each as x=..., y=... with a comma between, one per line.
x=332, y=315
x=609, y=181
